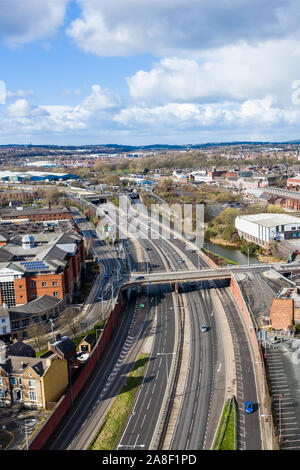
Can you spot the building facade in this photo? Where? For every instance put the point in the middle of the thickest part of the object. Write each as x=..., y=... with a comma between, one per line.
x=262, y=229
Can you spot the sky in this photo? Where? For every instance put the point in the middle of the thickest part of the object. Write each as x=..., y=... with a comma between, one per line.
x=142, y=72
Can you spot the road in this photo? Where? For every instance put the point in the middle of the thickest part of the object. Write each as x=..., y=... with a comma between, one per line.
x=82, y=421
x=192, y=423
x=249, y=437
x=144, y=418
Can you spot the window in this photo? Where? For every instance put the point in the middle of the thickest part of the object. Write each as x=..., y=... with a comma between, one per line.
x=2, y=320
x=54, y=283
x=31, y=383
x=32, y=396
x=15, y=324
x=35, y=319
x=33, y=284
x=25, y=322
x=1, y=381
x=2, y=394
x=7, y=290
x=33, y=296
x=13, y=381
x=44, y=284
x=55, y=294
x=4, y=330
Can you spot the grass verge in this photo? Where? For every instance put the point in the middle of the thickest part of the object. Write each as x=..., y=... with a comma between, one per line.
x=226, y=438
x=111, y=430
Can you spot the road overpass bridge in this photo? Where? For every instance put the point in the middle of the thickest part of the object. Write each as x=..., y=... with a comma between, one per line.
x=206, y=274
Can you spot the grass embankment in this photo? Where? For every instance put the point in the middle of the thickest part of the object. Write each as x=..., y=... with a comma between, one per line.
x=218, y=259
x=226, y=438
x=110, y=432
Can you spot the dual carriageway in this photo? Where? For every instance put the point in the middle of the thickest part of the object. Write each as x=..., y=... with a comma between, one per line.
x=171, y=327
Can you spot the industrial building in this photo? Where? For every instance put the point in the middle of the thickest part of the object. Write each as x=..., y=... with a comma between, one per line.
x=262, y=229
x=34, y=176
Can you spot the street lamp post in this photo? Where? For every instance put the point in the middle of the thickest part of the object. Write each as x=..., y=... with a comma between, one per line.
x=271, y=427
x=280, y=437
x=70, y=379
x=97, y=329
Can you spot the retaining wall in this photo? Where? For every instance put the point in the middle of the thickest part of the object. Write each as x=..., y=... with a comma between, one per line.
x=50, y=425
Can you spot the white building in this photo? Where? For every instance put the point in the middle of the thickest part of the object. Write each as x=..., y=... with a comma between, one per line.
x=5, y=328
x=264, y=228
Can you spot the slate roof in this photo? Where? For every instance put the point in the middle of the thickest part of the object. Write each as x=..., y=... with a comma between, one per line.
x=20, y=349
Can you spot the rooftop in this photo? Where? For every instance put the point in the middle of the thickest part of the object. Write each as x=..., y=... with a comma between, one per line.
x=271, y=220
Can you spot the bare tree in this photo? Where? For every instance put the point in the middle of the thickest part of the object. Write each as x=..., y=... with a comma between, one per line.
x=37, y=332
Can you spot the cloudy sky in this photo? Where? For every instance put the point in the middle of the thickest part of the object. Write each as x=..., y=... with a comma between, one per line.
x=149, y=71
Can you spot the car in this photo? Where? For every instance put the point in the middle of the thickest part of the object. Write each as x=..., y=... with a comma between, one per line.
x=105, y=276
x=181, y=261
x=249, y=407
x=203, y=328
x=140, y=277
x=106, y=212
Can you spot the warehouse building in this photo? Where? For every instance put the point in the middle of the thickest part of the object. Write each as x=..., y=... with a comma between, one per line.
x=262, y=229
x=37, y=176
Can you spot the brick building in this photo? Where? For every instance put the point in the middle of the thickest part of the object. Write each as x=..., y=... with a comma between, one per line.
x=46, y=263
x=35, y=215
x=285, y=309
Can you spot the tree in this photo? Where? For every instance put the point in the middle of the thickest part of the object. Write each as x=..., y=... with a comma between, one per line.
x=37, y=332
x=52, y=196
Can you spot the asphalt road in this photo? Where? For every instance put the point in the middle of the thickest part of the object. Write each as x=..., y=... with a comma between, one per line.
x=249, y=437
x=142, y=422
x=192, y=422
x=82, y=421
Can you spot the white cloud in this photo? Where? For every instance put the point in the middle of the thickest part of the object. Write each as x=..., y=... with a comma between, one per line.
x=167, y=27
x=24, y=21
x=226, y=115
x=20, y=108
x=95, y=109
x=19, y=94
x=236, y=72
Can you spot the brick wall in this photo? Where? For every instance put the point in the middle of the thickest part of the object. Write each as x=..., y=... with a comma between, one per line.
x=282, y=313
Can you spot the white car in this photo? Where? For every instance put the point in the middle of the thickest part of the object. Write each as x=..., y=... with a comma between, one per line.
x=203, y=328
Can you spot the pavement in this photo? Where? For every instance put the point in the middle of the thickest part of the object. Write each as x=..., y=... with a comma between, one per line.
x=12, y=426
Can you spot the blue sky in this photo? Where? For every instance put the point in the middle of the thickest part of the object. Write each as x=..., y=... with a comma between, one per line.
x=149, y=71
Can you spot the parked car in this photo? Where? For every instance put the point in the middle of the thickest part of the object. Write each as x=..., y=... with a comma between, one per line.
x=140, y=277
x=203, y=328
x=249, y=407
